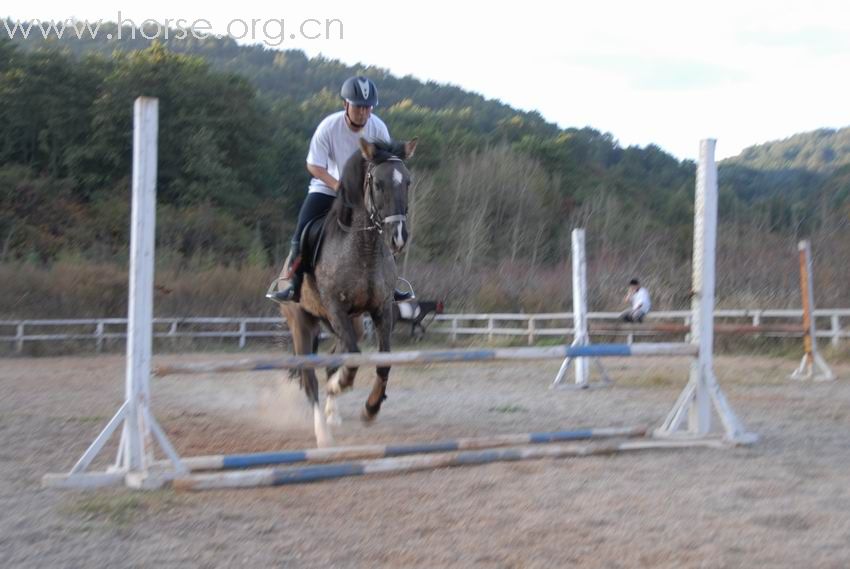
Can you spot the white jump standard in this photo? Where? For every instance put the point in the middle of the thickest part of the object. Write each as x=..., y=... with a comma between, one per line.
x=702, y=392
x=580, y=335
x=135, y=452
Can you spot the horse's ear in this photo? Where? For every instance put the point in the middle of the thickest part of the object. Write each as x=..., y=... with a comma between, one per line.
x=410, y=148
x=367, y=149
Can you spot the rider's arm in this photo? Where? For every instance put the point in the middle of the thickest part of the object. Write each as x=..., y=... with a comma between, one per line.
x=322, y=174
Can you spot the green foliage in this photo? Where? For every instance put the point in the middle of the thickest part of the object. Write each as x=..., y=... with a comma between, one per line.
x=494, y=185
x=820, y=151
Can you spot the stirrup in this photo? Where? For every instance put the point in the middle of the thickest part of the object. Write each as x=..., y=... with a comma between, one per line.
x=272, y=292
x=288, y=294
x=281, y=296
x=404, y=296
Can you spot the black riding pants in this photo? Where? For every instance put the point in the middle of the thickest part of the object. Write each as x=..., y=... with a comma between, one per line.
x=315, y=205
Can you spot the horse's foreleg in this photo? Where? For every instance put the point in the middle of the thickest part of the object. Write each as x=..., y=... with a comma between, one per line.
x=310, y=385
x=330, y=370
x=331, y=410
x=343, y=378
x=383, y=321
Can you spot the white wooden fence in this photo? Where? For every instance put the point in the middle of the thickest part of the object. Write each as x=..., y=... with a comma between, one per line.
x=534, y=327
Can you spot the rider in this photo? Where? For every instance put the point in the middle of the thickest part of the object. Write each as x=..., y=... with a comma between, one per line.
x=336, y=138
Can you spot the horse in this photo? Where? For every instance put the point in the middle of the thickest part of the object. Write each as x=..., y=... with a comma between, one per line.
x=355, y=274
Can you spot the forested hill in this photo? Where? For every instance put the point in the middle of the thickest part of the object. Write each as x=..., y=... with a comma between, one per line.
x=821, y=151
x=289, y=74
x=805, y=177
x=235, y=126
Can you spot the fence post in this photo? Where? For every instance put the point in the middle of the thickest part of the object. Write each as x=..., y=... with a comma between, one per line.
x=243, y=325
x=531, y=330
x=490, y=326
x=454, y=329
x=835, y=330
x=19, y=338
x=98, y=333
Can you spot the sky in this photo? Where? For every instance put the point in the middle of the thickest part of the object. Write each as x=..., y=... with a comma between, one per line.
x=654, y=72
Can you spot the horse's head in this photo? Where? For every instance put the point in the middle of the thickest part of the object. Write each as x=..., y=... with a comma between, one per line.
x=385, y=188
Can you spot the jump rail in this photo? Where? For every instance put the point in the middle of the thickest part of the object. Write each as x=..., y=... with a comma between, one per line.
x=282, y=476
x=436, y=356
x=237, y=461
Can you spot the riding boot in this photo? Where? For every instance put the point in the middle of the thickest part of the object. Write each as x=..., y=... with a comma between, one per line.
x=291, y=274
x=293, y=292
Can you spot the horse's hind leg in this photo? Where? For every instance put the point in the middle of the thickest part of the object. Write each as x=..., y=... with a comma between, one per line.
x=384, y=327
x=305, y=329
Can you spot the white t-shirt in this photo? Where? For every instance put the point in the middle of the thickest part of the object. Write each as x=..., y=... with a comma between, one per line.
x=640, y=299
x=334, y=142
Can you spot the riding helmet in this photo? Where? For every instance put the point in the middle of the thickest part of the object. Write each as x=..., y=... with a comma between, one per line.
x=360, y=91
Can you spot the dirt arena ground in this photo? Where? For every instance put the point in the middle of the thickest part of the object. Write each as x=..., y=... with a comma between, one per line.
x=782, y=503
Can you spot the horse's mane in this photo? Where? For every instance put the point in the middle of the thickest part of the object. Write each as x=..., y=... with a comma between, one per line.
x=350, y=192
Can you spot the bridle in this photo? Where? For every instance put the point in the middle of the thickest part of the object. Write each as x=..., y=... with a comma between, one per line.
x=375, y=221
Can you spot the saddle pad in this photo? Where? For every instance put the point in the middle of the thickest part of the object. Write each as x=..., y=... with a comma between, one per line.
x=409, y=310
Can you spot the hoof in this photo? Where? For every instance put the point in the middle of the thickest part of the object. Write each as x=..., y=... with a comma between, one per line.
x=367, y=417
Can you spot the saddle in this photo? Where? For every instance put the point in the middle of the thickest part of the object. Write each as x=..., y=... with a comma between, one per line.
x=312, y=238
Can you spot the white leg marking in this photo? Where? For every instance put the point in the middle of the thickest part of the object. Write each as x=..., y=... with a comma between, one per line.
x=332, y=412
x=332, y=386
x=323, y=433
x=399, y=238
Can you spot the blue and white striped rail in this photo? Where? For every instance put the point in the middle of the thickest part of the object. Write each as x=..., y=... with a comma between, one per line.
x=436, y=356
x=252, y=460
x=299, y=475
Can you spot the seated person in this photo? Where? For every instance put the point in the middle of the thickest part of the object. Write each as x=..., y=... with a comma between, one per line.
x=637, y=298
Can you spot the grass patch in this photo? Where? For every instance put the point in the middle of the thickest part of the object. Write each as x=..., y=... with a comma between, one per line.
x=119, y=510
x=838, y=355
x=649, y=380
x=655, y=380
x=89, y=419
x=508, y=409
